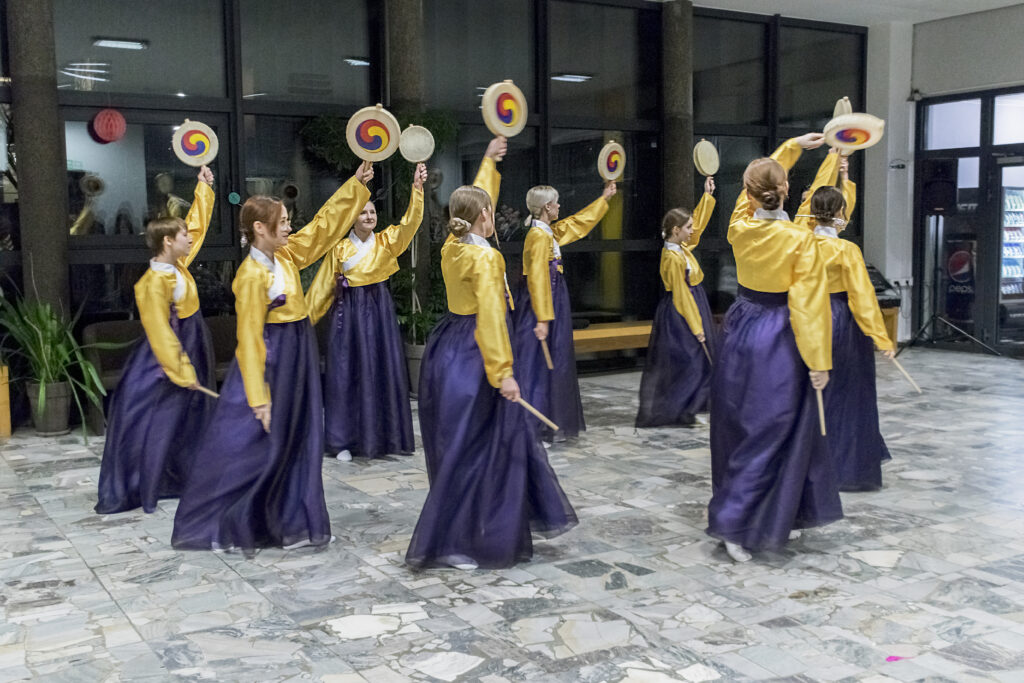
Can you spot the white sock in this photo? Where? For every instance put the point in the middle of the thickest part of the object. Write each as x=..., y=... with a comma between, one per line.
x=345, y=455
x=795, y=534
x=736, y=552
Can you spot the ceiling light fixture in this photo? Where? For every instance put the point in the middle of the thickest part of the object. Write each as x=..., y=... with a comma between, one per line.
x=181, y=94
x=120, y=43
x=356, y=61
x=254, y=94
x=84, y=77
x=571, y=78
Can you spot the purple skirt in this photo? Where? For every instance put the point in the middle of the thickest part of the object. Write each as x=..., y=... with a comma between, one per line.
x=855, y=442
x=677, y=374
x=770, y=468
x=490, y=480
x=366, y=385
x=250, y=489
x=154, y=424
x=556, y=393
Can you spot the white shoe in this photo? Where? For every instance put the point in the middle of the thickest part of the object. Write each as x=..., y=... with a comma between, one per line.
x=736, y=552
x=466, y=566
x=795, y=534
x=345, y=455
x=547, y=444
x=298, y=544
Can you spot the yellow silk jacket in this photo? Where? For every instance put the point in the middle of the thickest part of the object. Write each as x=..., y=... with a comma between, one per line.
x=677, y=259
x=155, y=290
x=378, y=264
x=257, y=279
x=539, y=251
x=828, y=174
x=774, y=255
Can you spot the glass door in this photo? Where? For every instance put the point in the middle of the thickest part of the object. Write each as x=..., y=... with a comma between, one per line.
x=1011, y=225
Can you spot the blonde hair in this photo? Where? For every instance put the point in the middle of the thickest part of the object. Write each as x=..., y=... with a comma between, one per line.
x=537, y=198
x=157, y=230
x=464, y=207
x=674, y=218
x=765, y=181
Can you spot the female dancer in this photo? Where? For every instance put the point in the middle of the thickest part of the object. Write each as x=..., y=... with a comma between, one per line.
x=490, y=481
x=769, y=463
x=544, y=313
x=677, y=371
x=155, y=417
x=257, y=481
x=851, y=403
x=366, y=388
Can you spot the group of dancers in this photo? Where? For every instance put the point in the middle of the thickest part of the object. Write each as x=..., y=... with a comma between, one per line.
x=247, y=465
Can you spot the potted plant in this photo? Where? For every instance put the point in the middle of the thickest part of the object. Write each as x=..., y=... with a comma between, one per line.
x=58, y=370
x=415, y=316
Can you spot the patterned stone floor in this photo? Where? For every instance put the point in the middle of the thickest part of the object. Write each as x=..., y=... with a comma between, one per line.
x=923, y=581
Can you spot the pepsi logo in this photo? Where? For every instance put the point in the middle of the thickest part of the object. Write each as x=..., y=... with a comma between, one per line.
x=960, y=266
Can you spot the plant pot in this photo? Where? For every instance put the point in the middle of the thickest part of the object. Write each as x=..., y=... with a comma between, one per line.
x=413, y=360
x=5, y=402
x=53, y=421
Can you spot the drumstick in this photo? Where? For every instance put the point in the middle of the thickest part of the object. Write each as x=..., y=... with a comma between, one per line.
x=208, y=392
x=821, y=411
x=539, y=415
x=907, y=375
x=707, y=353
x=547, y=354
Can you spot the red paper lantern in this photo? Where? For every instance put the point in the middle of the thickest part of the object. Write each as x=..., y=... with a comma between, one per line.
x=107, y=126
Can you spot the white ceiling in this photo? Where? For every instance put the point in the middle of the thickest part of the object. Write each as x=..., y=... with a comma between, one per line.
x=860, y=12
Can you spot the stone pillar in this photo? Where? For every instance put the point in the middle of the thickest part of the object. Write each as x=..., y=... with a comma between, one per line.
x=677, y=103
x=42, y=194
x=407, y=93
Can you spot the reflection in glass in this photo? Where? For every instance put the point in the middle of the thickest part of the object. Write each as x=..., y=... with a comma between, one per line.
x=324, y=55
x=116, y=189
x=951, y=125
x=609, y=286
x=10, y=238
x=634, y=211
x=1009, y=124
x=728, y=71
x=816, y=68
x=469, y=45
x=1011, y=282
x=601, y=61
x=167, y=47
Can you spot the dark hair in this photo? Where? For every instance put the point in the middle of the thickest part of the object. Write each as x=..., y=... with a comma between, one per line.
x=826, y=202
x=674, y=218
x=266, y=210
x=157, y=230
x=765, y=181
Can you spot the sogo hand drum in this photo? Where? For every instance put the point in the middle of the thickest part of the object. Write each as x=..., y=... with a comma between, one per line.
x=373, y=133
x=195, y=143
x=504, y=109
x=611, y=162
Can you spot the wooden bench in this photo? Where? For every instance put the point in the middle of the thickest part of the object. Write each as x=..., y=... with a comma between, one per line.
x=612, y=336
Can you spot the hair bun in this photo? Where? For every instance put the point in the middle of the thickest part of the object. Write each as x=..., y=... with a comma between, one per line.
x=459, y=226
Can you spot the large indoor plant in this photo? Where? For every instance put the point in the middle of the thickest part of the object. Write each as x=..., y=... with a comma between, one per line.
x=58, y=372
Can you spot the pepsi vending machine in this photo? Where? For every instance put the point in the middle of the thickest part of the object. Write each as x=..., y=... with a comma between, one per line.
x=960, y=260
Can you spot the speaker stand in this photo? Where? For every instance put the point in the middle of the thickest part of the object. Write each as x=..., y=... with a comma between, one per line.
x=936, y=318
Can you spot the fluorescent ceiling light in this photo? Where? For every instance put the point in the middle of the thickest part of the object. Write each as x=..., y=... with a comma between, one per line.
x=86, y=70
x=356, y=61
x=121, y=43
x=181, y=94
x=84, y=77
x=88, y=63
x=571, y=78
x=254, y=94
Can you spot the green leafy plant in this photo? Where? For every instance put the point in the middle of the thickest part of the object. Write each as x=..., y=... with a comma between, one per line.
x=417, y=324
x=44, y=337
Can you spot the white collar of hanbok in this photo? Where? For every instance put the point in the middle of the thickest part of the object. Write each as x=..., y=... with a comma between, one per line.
x=179, y=279
x=362, y=249
x=537, y=223
x=277, y=282
x=826, y=231
x=774, y=215
x=473, y=238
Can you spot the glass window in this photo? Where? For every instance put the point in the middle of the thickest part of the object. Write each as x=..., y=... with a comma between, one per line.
x=318, y=54
x=602, y=61
x=609, y=286
x=167, y=47
x=633, y=211
x=115, y=189
x=10, y=238
x=734, y=154
x=951, y=125
x=729, y=71
x=469, y=45
x=1009, y=125
x=816, y=68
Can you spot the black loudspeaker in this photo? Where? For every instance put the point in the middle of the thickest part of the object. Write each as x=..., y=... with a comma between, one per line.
x=938, y=186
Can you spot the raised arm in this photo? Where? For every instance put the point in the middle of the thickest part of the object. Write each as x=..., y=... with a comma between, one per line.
x=491, y=332
x=809, y=308
x=862, y=299
x=153, y=297
x=396, y=238
x=200, y=213
x=827, y=174
x=702, y=214
x=578, y=225
x=332, y=221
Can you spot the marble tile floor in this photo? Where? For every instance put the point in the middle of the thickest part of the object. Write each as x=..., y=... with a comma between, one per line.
x=922, y=581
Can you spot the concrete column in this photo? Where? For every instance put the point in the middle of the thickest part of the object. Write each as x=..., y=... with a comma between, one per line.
x=42, y=184
x=677, y=103
x=889, y=166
